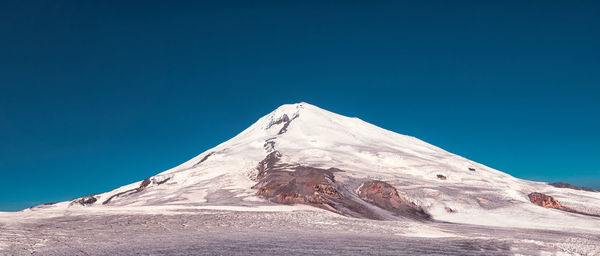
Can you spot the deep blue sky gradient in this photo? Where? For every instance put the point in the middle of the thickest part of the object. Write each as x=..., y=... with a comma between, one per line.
x=98, y=94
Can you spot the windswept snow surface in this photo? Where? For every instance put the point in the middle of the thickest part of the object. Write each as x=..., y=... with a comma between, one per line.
x=305, y=135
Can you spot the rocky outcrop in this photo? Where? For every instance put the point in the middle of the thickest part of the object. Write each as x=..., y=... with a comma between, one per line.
x=385, y=196
x=145, y=183
x=85, y=201
x=303, y=185
x=307, y=185
x=285, y=120
x=567, y=185
x=441, y=177
x=549, y=202
x=203, y=159
x=285, y=183
x=120, y=194
x=286, y=124
x=157, y=180
x=546, y=201
x=280, y=120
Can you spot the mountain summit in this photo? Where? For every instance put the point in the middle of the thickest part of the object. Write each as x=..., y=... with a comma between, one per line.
x=300, y=154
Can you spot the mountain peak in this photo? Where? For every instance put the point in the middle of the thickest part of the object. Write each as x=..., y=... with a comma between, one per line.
x=302, y=154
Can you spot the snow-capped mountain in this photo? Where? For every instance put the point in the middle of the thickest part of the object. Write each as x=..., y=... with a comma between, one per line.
x=301, y=156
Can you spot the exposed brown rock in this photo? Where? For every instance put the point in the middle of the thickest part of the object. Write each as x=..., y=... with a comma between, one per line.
x=549, y=202
x=203, y=159
x=268, y=163
x=546, y=201
x=145, y=183
x=287, y=123
x=269, y=146
x=471, y=169
x=306, y=185
x=441, y=177
x=282, y=119
x=291, y=184
x=86, y=200
x=385, y=196
x=567, y=185
x=448, y=209
x=128, y=192
x=295, y=184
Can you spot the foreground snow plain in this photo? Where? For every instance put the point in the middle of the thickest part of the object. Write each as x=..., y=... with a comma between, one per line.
x=296, y=232
x=208, y=202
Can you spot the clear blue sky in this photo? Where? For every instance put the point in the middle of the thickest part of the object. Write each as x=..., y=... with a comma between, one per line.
x=98, y=94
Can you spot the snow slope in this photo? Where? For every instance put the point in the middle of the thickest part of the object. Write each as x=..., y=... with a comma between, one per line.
x=306, y=135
